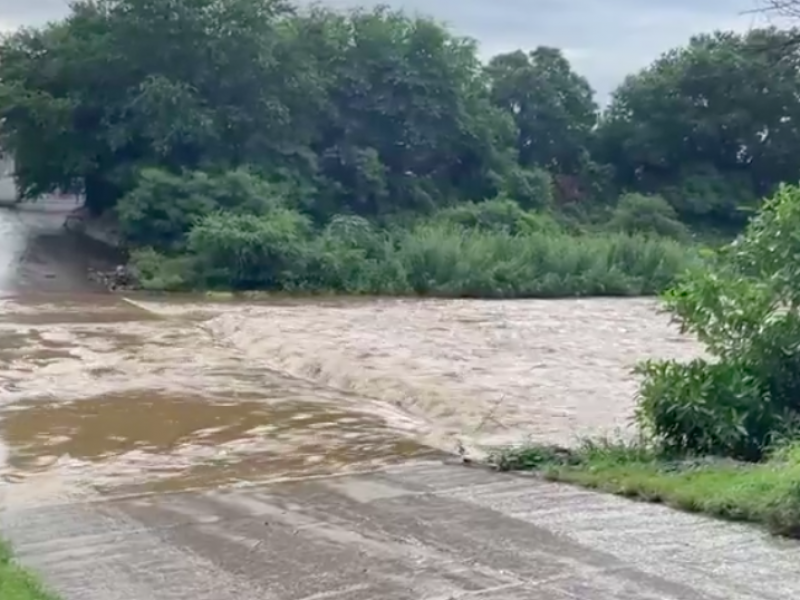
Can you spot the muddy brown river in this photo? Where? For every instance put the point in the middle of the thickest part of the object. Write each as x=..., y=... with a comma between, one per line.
x=116, y=394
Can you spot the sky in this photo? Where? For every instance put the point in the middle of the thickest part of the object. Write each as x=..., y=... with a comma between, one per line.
x=604, y=39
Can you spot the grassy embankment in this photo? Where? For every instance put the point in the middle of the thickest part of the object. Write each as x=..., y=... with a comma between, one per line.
x=766, y=493
x=17, y=583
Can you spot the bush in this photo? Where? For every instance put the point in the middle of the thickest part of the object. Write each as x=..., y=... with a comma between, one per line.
x=530, y=188
x=163, y=207
x=718, y=409
x=155, y=271
x=499, y=214
x=744, y=307
x=249, y=252
x=639, y=213
x=352, y=256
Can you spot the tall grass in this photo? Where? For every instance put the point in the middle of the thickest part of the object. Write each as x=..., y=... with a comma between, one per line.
x=448, y=260
x=434, y=258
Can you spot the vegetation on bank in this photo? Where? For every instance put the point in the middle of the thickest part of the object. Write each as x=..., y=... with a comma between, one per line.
x=16, y=583
x=719, y=435
x=765, y=493
x=278, y=146
x=506, y=253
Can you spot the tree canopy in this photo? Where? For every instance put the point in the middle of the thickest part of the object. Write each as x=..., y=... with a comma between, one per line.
x=378, y=113
x=722, y=112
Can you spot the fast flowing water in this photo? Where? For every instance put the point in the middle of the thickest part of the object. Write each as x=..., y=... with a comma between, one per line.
x=105, y=393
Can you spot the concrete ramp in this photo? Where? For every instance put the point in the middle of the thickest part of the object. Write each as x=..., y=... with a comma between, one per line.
x=38, y=254
x=424, y=531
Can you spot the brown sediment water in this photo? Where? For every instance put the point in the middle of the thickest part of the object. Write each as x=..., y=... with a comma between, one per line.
x=100, y=393
x=150, y=441
x=157, y=402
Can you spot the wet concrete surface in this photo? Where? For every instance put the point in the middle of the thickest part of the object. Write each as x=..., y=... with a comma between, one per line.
x=38, y=255
x=423, y=531
x=161, y=449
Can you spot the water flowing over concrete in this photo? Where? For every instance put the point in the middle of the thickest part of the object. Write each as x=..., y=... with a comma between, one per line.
x=178, y=448
x=104, y=390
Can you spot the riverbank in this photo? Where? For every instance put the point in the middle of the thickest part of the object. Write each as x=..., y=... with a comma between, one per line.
x=17, y=583
x=766, y=493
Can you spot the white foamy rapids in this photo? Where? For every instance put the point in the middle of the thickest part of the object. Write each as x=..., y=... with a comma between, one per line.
x=477, y=372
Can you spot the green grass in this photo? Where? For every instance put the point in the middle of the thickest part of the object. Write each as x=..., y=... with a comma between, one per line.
x=17, y=583
x=766, y=493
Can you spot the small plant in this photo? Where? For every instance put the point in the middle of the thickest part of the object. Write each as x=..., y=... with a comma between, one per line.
x=532, y=458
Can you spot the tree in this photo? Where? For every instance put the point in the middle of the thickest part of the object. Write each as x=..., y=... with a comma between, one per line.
x=365, y=111
x=122, y=84
x=407, y=123
x=728, y=104
x=553, y=107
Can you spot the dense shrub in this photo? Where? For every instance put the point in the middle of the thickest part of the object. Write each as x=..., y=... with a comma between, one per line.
x=640, y=213
x=250, y=251
x=721, y=409
x=530, y=188
x=499, y=214
x=744, y=306
x=353, y=256
x=163, y=206
x=155, y=271
x=703, y=194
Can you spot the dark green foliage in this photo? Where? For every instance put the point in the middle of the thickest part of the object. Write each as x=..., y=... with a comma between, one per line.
x=704, y=195
x=500, y=214
x=163, y=207
x=249, y=251
x=722, y=409
x=530, y=188
x=553, y=107
x=714, y=122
